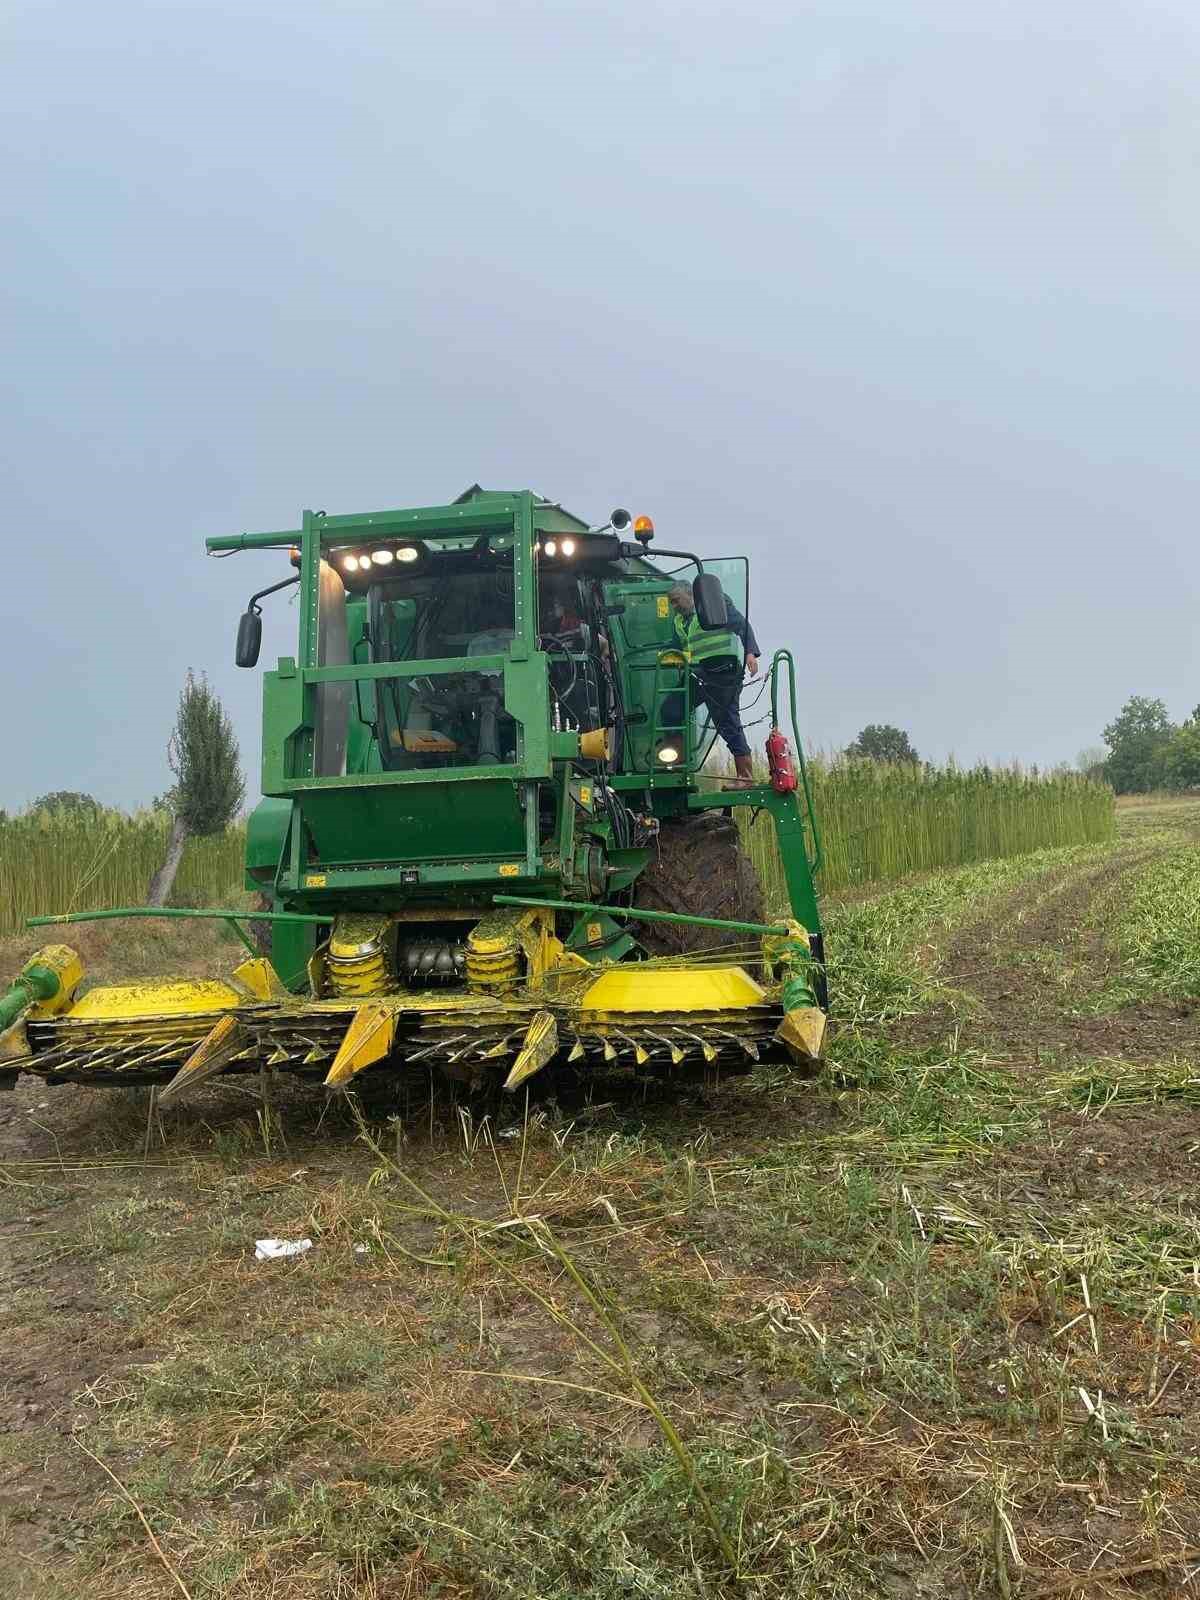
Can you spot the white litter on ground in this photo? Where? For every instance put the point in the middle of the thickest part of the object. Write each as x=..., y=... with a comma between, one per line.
x=274, y=1249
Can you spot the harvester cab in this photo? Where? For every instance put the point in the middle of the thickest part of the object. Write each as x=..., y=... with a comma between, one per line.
x=487, y=843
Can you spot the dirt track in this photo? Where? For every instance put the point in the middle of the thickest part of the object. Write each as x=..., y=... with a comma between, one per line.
x=1032, y=964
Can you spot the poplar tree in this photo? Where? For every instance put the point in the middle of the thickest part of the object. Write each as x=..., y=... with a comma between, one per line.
x=209, y=788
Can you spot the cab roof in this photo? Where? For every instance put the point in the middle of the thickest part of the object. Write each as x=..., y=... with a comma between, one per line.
x=548, y=515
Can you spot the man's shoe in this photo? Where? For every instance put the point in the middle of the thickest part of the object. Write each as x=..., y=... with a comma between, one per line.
x=743, y=766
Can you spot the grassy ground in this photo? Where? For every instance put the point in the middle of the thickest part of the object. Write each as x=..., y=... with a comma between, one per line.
x=926, y=1326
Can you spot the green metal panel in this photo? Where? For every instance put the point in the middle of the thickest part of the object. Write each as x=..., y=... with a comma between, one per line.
x=640, y=633
x=292, y=946
x=789, y=829
x=430, y=820
x=266, y=839
x=286, y=726
x=407, y=882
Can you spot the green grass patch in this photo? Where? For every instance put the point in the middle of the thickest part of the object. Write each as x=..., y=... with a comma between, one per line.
x=1157, y=931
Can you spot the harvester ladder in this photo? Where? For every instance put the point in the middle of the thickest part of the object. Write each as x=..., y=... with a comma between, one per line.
x=672, y=687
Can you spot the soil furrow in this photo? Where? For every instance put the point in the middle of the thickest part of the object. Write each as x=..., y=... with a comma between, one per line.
x=1023, y=975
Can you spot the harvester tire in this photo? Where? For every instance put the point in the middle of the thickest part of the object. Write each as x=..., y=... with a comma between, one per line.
x=701, y=870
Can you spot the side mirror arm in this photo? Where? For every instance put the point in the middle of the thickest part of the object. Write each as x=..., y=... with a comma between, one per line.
x=249, y=634
x=252, y=603
x=639, y=552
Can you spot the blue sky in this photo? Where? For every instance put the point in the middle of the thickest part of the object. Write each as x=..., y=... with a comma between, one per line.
x=899, y=300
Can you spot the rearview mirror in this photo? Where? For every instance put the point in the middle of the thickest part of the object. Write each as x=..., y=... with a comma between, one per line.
x=249, y=638
x=709, y=598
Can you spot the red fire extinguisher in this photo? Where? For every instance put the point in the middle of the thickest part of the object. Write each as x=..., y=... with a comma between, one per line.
x=779, y=763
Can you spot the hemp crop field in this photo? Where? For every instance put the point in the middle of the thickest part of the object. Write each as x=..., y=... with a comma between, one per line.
x=880, y=822
x=925, y=1325
x=81, y=861
x=877, y=823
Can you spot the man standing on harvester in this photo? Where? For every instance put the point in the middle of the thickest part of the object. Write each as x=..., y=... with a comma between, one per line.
x=717, y=672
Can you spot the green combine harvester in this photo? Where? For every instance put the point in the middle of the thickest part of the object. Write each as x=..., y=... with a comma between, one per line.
x=487, y=847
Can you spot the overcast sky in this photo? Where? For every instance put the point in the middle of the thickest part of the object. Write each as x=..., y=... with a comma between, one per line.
x=899, y=299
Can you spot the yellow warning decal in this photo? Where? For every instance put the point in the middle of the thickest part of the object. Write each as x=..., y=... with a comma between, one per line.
x=509, y=870
x=595, y=930
x=663, y=605
x=315, y=880
x=585, y=794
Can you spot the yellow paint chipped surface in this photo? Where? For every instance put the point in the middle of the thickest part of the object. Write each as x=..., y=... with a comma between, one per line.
x=803, y=1032
x=541, y=1041
x=157, y=997
x=368, y=1040
x=674, y=989
x=260, y=977
x=212, y=1055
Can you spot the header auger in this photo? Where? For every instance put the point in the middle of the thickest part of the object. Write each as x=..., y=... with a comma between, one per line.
x=486, y=843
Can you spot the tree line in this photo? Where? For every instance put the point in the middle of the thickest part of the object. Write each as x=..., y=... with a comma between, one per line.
x=1147, y=751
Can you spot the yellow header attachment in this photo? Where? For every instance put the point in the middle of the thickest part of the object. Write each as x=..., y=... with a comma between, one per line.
x=45, y=985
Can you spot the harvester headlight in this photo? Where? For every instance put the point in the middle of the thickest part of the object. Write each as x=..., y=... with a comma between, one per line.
x=668, y=754
x=568, y=547
x=407, y=552
x=349, y=563
x=551, y=547
x=382, y=558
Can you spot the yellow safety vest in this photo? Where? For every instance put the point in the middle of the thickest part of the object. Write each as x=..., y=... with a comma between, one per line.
x=704, y=644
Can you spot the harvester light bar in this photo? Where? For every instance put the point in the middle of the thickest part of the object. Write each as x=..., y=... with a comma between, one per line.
x=551, y=547
x=568, y=547
x=350, y=563
x=407, y=552
x=382, y=558
x=668, y=754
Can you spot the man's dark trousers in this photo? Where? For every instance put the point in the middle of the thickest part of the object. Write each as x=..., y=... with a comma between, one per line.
x=719, y=686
